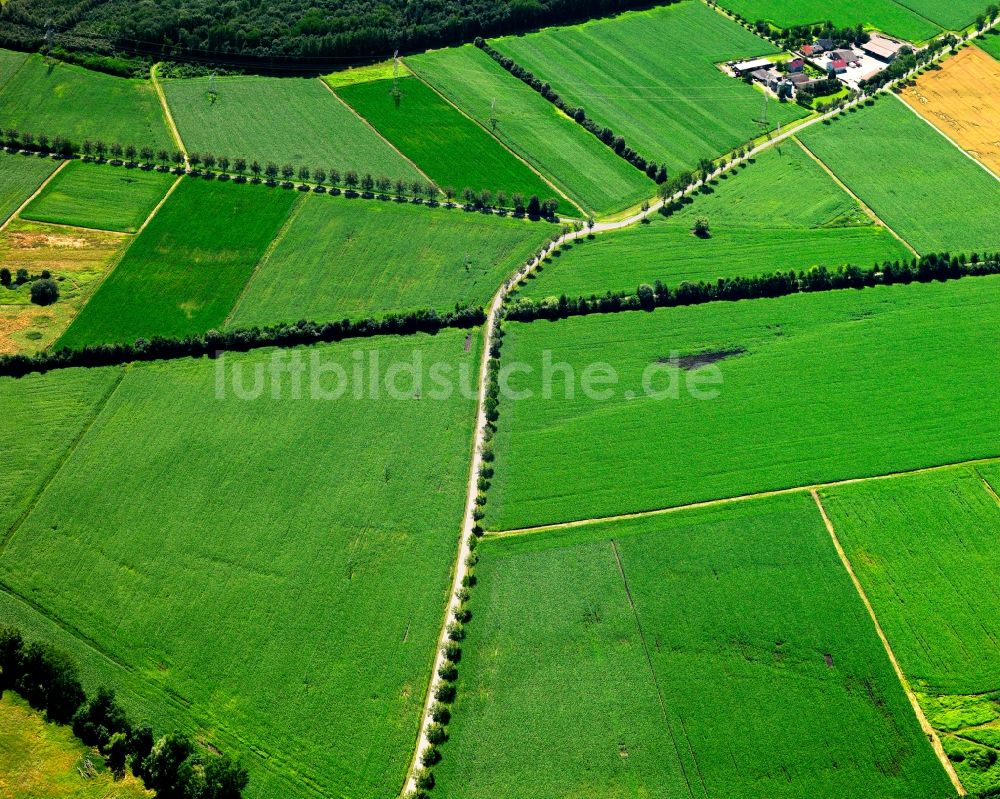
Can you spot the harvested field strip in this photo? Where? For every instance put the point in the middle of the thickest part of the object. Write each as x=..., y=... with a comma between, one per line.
x=962, y=100
x=745, y=606
x=614, y=450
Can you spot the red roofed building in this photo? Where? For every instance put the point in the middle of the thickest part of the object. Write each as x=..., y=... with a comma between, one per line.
x=796, y=65
x=807, y=49
x=837, y=66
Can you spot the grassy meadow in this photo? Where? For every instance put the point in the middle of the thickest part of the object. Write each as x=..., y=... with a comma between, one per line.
x=266, y=573
x=336, y=261
x=449, y=147
x=284, y=120
x=95, y=196
x=990, y=43
x=893, y=17
x=919, y=183
x=40, y=760
x=808, y=389
x=10, y=62
x=651, y=77
x=953, y=15
x=585, y=169
x=185, y=271
x=77, y=258
x=780, y=213
x=58, y=99
x=33, y=452
x=721, y=652
x=20, y=176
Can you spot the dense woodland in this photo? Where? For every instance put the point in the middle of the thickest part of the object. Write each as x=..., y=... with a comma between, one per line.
x=281, y=33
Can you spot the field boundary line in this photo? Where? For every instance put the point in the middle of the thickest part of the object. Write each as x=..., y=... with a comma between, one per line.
x=174, y=132
x=159, y=205
x=652, y=670
x=293, y=214
x=986, y=484
x=58, y=466
x=710, y=503
x=20, y=66
x=375, y=130
x=503, y=144
x=950, y=140
x=17, y=213
x=929, y=731
x=869, y=211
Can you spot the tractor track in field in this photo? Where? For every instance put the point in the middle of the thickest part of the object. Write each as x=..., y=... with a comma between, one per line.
x=918, y=711
x=165, y=106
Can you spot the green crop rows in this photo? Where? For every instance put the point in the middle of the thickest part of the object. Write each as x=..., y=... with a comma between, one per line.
x=885, y=15
x=187, y=268
x=336, y=261
x=815, y=388
x=651, y=76
x=19, y=177
x=721, y=652
x=87, y=195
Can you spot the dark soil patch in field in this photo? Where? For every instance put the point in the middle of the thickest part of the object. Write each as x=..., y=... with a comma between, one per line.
x=829, y=660
x=690, y=362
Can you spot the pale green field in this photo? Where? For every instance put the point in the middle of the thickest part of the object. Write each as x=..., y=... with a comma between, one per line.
x=20, y=175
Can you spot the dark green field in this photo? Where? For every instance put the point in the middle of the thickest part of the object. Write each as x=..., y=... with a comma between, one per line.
x=185, y=271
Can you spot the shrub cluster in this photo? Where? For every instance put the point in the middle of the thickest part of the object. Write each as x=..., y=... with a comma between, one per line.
x=239, y=340
x=43, y=289
x=578, y=114
x=171, y=766
x=778, y=284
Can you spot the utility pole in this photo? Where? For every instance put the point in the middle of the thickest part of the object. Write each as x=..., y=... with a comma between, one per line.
x=493, y=115
x=49, y=36
x=397, y=95
x=212, y=93
x=762, y=120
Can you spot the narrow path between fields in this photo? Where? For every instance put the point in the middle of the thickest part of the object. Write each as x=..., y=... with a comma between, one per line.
x=710, y=503
x=174, y=132
x=987, y=486
x=374, y=130
x=16, y=214
x=929, y=731
x=869, y=211
x=503, y=144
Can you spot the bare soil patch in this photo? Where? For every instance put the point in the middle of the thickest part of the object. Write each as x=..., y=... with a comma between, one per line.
x=696, y=361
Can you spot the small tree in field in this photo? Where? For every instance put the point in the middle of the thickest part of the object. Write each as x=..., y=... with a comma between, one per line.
x=44, y=292
x=701, y=228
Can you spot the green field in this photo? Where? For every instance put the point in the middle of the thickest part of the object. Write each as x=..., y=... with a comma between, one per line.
x=884, y=15
x=336, y=260
x=33, y=451
x=39, y=760
x=953, y=15
x=268, y=574
x=919, y=183
x=990, y=43
x=94, y=196
x=448, y=146
x=10, y=62
x=585, y=169
x=827, y=386
x=782, y=212
x=722, y=652
x=58, y=99
x=925, y=550
x=19, y=176
x=187, y=268
x=651, y=77
x=284, y=120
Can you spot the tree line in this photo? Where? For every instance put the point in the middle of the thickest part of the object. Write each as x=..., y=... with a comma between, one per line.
x=239, y=340
x=281, y=34
x=940, y=267
x=578, y=114
x=171, y=766
x=241, y=170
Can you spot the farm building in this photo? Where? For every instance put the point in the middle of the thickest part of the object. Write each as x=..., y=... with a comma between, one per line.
x=848, y=56
x=837, y=66
x=743, y=68
x=796, y=65
x=882, y=47
x=822, y=45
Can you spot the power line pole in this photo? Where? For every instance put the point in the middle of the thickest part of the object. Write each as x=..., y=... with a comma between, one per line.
x=49, y=36
x=493, y=115
x=397, y=95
